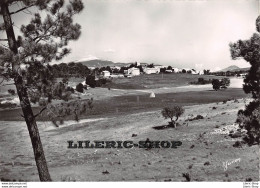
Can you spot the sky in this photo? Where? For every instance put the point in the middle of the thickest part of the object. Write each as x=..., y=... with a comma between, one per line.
x=180, y=33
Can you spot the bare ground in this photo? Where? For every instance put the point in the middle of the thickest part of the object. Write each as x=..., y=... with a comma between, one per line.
x=205, y=146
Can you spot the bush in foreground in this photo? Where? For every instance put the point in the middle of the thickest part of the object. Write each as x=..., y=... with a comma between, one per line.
x=80, y=88
x=171, y=112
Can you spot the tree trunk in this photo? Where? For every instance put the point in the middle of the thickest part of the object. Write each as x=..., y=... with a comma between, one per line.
x=172, y=123
x=24, y=101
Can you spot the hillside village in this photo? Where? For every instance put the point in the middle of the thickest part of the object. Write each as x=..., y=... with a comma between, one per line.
x=119, y=70
x=144, y=68
x=135, y=69
x=108, y=69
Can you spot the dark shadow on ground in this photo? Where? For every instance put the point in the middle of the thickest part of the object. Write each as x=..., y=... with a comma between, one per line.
x=161, y=127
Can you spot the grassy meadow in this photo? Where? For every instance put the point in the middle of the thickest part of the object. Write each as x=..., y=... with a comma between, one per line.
x=128, y=113
x=128, y=104
x=151, y=81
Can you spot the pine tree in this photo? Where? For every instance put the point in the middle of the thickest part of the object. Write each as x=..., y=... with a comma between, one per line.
x=25, y=59
x=249, y=118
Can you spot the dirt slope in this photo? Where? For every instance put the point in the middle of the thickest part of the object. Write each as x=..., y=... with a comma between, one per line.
x=205, y=146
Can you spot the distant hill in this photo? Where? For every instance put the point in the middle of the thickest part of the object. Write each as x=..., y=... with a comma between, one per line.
x=234, y=68
x=101, y=63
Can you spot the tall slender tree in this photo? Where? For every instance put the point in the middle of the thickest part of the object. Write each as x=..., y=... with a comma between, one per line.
x=26, y=57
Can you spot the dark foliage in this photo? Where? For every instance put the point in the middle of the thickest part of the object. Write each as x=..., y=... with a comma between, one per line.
x=11, y=91
x=220, y=84
x=249, y=119
x=90, y=80
x=171, y=112
x=64, y=70
x=202, y=81
x=249, y=50
x=80, y=88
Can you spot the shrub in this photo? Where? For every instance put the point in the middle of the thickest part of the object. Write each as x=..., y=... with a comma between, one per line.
x=71, y=89
x=249, y=119
x=11, y=91
x=223, y=83
x=171, y=112
x=79, y=88
x=42, y=102
x=85, y=87
x=65, y=80
x=90, y=80
x=216, y=84
x=102, y=81
x=201, y=80
x=237, y=144
x=197, y=118
x=58, y=90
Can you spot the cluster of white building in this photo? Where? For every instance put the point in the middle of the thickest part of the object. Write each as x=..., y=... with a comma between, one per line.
x=133, y=71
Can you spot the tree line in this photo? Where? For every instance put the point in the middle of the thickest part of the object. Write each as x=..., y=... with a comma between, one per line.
x=70, y=70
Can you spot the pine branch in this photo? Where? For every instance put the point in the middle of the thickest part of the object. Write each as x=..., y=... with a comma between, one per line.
x=41, y=37
x=24, y=8
x=40, y=112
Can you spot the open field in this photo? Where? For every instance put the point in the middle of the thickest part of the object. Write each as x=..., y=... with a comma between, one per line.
x=157, y=83
x=126, y=104
x=205, y=147
x=151, y=81
x=130, y=114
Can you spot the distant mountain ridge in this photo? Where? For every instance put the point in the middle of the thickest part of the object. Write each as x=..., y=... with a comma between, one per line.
x=233, y=68
x=104, y=63
x=101, y=63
